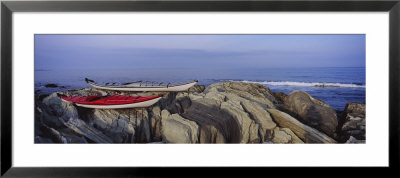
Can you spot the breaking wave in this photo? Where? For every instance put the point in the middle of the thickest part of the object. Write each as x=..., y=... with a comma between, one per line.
x=308, y=84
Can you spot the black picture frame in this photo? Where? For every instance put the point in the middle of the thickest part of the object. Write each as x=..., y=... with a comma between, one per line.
x=8, y=7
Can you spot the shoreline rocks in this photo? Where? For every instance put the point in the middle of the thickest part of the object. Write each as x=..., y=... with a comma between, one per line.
x=352, y=125
x=51, y=85
x=311, y=111
x=304, y=132
x=228, y=112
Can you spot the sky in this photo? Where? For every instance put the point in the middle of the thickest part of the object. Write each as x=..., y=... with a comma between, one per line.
x=197, y=51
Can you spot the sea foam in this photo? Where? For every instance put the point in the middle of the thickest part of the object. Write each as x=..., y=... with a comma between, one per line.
x=307, y=84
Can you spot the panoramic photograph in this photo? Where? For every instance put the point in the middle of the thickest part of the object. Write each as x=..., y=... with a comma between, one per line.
x=200, y=88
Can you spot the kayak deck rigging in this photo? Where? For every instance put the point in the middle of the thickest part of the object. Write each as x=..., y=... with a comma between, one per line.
x=143, y=86
x=139, y=83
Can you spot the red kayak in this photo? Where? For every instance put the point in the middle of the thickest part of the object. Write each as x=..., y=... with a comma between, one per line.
x=112, y=101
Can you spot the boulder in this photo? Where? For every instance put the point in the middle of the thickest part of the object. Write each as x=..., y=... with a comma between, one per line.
x=247, y=103
x=352, y=122
x=260, y=117
x=285, y=135
x=304, y=132
x=233, y=111
x=354, y=140
x=248, y=128
x=215, y=125
x=81, y=128
x=279, y=96
x=196, y=88
x=311, y=111
x=225, y=114
x=176, y=129
x=57, y=107
x=51, y=85
x=179, y=105
x=251, y=91
x=121, y=125
x=155, y=124
x=356, y=109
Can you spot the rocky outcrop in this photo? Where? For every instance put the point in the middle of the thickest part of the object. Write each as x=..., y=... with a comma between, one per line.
x=250, y=91
x=229, y=112
x=304, y=132
x=178, y=130
x=352, y=125
x=246, y=104
x=215, y=125
x=55, y=113
x=354, y=140
x=279, y=96
x=51, y=85
x=225, y=114
x=311, y=111
x=285, y=135
x=197, y=88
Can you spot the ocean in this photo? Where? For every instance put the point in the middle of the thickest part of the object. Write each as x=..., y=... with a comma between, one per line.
x=333, y=85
